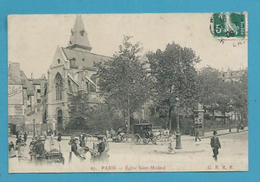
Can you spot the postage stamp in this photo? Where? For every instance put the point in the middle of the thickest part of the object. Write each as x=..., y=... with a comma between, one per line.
x=229, y=25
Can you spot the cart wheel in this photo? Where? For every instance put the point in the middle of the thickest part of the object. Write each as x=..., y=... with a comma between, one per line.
x=146, y=140
x=137, y=139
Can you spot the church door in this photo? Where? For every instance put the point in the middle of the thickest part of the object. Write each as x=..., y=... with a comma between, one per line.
x=60, y=123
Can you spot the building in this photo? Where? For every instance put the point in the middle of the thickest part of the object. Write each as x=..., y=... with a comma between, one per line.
x=232, y=76
x=23, y=99
x=72, y=69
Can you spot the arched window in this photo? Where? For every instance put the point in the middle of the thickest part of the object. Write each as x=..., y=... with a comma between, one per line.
x=94, y=78
x=58, y=80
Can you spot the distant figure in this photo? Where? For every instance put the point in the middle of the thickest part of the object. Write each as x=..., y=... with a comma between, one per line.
x=238, y=127
x=17, y=135
x=83, y=142
x=59, y=137
x=52, y=139
x=25, y=137
x=18, y=143
x=215, y=145
x=11, y=150
x=108, y=135
x=32, y=143
x=197, y=136
x=72, y=139
x=39, y=149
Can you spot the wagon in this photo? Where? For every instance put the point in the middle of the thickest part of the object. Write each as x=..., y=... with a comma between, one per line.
x=143, y=133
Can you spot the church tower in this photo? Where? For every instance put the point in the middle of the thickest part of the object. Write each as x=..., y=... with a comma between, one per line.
x=79, y=37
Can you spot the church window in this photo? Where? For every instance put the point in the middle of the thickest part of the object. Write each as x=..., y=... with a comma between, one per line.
x=58, y=87
x=92, y=88
x=58, y=61
x=82, y=32
x=72, y=61
x=70, y=86
x=93, y=78
x=87, y=87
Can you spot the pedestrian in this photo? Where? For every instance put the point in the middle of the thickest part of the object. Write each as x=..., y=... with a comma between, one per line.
x=238, y=127
x=197, y=136
x=40, y=150
x=25, y=137
x=72, y=138
x=59, y=137
x=83, y=142
x=18, y=143
x=74, y=150
x=215, y=145
x=11, y=150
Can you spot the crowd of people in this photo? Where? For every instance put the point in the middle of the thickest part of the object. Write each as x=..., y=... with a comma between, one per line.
x=78, y=147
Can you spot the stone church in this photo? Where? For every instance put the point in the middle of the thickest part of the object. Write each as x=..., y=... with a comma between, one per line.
x=72, y=69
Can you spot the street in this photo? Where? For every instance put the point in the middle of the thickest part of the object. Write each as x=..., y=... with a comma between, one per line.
x=194, y=156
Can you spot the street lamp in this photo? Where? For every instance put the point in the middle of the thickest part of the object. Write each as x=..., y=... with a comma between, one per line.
x=229, y=126
x=178, y=135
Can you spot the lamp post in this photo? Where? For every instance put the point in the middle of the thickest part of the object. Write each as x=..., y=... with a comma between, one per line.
x=33, y=127
x=178, y=135
x=229, y=126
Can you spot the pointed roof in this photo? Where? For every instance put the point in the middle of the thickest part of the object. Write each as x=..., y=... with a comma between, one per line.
x=79, y=36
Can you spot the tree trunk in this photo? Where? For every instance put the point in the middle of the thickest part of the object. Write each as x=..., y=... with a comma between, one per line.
x=128, y=116
x=169, y=119
x=128, y=120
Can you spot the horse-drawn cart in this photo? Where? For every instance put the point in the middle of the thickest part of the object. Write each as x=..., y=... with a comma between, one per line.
x=143, y=133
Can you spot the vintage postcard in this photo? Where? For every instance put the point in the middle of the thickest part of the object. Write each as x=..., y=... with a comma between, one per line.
x=128, y=92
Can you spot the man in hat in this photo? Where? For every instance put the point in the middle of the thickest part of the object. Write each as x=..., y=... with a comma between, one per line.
x=215, y=145
x=39, y=149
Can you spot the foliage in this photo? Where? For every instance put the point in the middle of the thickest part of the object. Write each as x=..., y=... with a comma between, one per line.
x=79, y=110
x=173, y=73
x=123, y=80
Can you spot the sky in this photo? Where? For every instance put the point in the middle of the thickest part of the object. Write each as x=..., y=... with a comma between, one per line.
x=33, y=39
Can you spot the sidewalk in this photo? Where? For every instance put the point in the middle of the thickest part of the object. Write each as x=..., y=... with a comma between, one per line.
x=184, y=137
x=210, y=133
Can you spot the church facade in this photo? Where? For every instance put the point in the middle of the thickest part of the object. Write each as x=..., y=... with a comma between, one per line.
x=72, y=69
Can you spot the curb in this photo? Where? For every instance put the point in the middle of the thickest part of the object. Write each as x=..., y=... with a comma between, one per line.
x=229, y=133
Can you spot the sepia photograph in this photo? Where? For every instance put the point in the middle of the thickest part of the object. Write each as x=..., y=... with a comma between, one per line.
x=128, y=92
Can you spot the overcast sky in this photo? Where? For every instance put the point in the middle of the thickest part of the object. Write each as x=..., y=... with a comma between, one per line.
x=32, y=39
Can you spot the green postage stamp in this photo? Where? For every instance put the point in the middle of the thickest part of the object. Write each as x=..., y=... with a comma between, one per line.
x=229, y=25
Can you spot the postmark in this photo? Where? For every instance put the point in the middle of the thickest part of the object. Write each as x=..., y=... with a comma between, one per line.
x=229, y=26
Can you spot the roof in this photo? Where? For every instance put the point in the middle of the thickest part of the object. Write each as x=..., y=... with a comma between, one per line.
x=36, y=81
x=79, y=36
x=26, y=82
x=84, y=59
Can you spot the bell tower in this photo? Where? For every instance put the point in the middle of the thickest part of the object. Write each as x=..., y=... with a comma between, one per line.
x=79, y=37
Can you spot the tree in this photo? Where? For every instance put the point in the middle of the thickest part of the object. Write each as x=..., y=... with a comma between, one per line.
x=174, y=75
x=79, y=110
x=123, y=79
x=104, y=117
